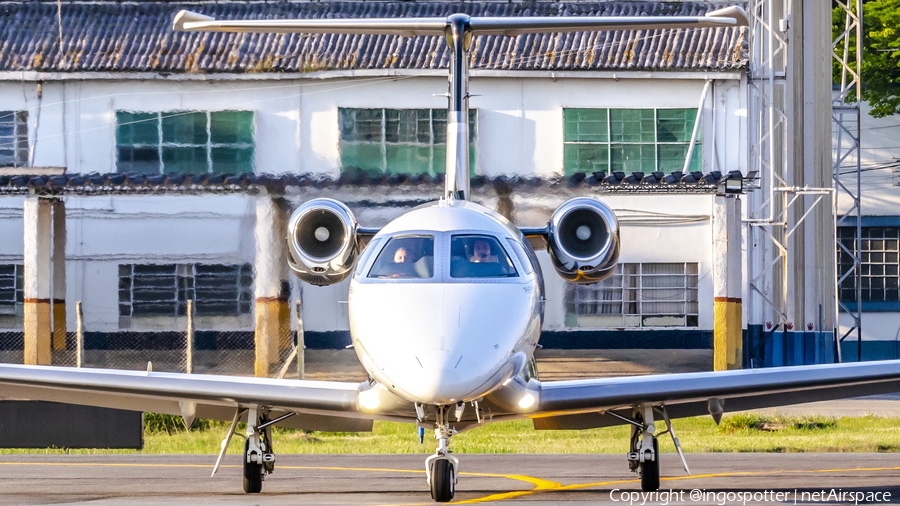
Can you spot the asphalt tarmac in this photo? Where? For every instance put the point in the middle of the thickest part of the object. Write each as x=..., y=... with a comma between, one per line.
x=718, y=479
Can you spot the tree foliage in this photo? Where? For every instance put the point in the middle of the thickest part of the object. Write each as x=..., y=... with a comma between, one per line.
x=880, y=68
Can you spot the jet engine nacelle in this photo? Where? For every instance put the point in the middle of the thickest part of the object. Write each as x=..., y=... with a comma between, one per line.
x=322, y=242
x=583, y=240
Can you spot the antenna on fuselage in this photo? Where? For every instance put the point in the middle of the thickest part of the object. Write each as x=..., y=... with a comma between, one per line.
x=458, y=31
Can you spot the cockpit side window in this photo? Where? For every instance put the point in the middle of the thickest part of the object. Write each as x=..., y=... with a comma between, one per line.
x=405, y=257
x=520, y=253
x=479, y=256
x=367, y=253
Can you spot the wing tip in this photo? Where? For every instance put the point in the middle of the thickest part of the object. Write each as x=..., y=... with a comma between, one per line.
x=186, y=17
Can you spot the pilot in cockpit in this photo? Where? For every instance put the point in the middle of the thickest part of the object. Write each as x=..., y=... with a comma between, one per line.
x=481, y=252
x=401, y=256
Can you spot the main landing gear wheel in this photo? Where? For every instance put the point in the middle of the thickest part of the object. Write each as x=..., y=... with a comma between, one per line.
x=443, y=478
x=253, y=473
x=650, y=471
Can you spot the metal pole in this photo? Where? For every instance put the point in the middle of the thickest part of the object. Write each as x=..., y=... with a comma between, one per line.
x=189, y=339
x=301, y=347
x=79, y=335
x=696, y=130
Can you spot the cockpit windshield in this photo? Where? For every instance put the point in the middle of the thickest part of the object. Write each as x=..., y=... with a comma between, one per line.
x=406, y=256
x=479, y=256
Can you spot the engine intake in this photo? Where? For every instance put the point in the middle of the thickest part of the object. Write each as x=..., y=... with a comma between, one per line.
x=322, y=242
x=583, y=240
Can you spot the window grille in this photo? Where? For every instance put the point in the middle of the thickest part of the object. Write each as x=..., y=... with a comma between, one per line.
x=397, y=141
x=219, y=142
x=164, y=289
x=13, y=138
x=637, y=295
x=11, y=288
x=628, y=140
x=879, y=252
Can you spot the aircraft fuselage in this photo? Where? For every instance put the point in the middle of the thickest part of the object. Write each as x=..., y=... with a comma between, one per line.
x=446, y=303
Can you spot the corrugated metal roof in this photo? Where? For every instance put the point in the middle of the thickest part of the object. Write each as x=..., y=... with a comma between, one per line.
x=105, y=36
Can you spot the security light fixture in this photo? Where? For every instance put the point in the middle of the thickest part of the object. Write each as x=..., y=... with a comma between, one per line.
x=732, y=183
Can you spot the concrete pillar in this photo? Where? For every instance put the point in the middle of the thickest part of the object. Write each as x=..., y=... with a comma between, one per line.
x=271, y=288
x=59, y=274
x=727, y=283
x=38, y=231
x=811, y=247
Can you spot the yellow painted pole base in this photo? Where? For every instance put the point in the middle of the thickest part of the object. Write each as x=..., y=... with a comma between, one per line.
x=59, y=325
x=727, y=334
x=273, y=316
x=37, y=332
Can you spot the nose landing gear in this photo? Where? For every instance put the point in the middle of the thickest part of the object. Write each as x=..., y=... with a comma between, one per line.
x=442, y=468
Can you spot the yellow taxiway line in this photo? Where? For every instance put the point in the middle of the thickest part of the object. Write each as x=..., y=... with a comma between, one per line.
x=540, y=485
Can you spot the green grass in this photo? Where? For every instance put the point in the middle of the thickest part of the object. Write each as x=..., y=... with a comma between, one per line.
x=749, y=432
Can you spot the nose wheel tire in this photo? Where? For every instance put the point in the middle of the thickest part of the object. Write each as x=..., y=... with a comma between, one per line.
x=650, y=471
x=252, y=473
x=443, y=478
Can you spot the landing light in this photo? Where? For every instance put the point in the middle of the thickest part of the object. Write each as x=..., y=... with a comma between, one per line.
x=526, y=401
x=369, y=399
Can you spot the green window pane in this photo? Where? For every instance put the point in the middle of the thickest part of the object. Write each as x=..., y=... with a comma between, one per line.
x=391, y=125
x=585, y=158
x=675, y=125
x=401, y=125
x=412, y=141
x=440, y=159
x=362, y=155
x=231, y=127
x=423, y=126
x=631, y=125
x=187, y=160
x=671, y=157
x=408, y=159
x=227, y=160
x=143, y=160
x=585, y=125
x=630, y=158
x=439, y=125
x=184, y=128
x=361, y=124
x=136, y=128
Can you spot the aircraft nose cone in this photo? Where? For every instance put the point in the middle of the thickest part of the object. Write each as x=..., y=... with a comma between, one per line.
x=437, y=380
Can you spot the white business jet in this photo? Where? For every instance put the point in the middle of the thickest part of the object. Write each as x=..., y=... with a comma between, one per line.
x=446, y=307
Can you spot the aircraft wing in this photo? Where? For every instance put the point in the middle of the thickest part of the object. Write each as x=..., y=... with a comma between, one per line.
x=410, y=27
x=319, y=405
x=582, y=404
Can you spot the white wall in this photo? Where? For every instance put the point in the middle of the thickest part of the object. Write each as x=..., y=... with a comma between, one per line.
x=520, y=131
x=520, y=119
x=879, y=149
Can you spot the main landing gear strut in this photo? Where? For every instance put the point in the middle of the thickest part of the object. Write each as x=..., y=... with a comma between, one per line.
x=441, y=469
x=643, y=455
x=259, y=460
